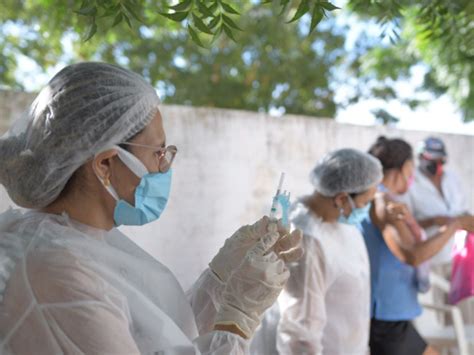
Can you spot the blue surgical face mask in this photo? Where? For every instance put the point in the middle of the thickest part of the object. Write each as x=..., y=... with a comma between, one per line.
x=357, y=214
x=151, y=194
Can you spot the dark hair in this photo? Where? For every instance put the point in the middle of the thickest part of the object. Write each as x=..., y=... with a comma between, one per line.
x=392, y=153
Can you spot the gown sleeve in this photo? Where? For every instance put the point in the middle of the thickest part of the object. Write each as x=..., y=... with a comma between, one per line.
x=302, y=304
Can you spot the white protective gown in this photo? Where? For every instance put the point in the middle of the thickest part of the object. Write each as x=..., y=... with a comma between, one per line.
x=70, y=289
x=325, y=307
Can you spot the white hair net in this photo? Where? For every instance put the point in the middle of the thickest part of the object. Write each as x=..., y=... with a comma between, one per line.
x=346, y=170
x=84, y=109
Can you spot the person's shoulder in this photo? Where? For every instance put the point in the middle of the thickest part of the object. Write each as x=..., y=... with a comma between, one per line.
x=10, y=218
x=381, y=199
x=331, y=237
x=315, y=242
x=420, y=180
x=302, y=218
x=451, y=175
x=57, y=275
x=350, y=229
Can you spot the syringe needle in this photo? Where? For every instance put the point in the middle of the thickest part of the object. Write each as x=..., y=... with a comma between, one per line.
x=280, y=184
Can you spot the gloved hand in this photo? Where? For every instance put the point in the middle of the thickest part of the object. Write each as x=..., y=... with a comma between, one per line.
x=253, y=287
x=230, y=256
x=288, y=248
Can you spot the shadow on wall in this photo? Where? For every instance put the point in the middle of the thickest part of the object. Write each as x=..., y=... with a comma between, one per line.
x=227, y=170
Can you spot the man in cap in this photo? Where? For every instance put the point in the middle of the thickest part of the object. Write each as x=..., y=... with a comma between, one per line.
x=436, y=195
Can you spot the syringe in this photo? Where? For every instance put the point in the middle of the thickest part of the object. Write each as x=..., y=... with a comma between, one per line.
x=282, y=199
x=273, y=209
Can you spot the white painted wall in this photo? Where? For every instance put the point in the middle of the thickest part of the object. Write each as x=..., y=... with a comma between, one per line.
x=228, y=167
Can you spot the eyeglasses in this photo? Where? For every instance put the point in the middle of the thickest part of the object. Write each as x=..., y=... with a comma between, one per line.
x=165, y=155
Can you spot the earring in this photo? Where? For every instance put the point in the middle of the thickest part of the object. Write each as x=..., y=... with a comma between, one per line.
x=106, y=181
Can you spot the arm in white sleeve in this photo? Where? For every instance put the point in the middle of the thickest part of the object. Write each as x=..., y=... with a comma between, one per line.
x=221, y=343
x=77, y=311
x=302, y=305
x=71, y=308
x=205, y=297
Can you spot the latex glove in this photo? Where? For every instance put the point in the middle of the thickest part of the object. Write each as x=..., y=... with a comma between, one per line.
x=230, y=256
x=288, y=247
x=253, y=287
x=234, y=249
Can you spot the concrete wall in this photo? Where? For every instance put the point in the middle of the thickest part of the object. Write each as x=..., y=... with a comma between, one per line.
x=228, y=167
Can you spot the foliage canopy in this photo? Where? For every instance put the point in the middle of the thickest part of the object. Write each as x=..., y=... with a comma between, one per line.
x=258, y=55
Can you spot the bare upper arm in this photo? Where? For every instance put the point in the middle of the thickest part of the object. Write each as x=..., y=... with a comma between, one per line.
x=397, y=236
x=395, y=245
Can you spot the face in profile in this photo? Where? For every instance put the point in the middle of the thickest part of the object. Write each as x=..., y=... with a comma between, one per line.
x=362, y=200
x=124, y=180
x=405, y=177
x=342, y=200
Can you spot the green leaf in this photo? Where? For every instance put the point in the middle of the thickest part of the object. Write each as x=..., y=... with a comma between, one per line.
x=133, y=12
x=230, y=22
x=302, y=9
x=215, y=21
x=284, y=5
x=194, y=36
x=328, y=6
x=87, y=11
x=203, y=9
x=109, y=12
x=200, y=25
x=229, y=9
x=182, y=6
x=213, y=7
x=228, y=32
x=175, y=16
x=316, y=18
x=90, y=31
x=217, y=34
x=117, y=19
x=127, y=19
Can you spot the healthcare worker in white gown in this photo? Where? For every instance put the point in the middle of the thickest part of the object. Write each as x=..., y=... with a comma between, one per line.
x=324, y=308
x=90, y=155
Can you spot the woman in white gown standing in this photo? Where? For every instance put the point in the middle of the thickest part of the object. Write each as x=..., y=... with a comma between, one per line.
x=90, y=155
x=324, y=308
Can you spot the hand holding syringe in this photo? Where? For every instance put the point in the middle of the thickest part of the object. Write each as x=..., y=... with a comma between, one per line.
x=288, y=247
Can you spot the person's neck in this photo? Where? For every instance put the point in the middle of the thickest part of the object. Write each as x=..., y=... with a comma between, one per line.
x=83, y=209
x=435, y=179
x=390, y=183
x=322, y=207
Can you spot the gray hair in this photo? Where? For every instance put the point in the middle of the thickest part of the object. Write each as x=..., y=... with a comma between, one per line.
x=84, y=109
